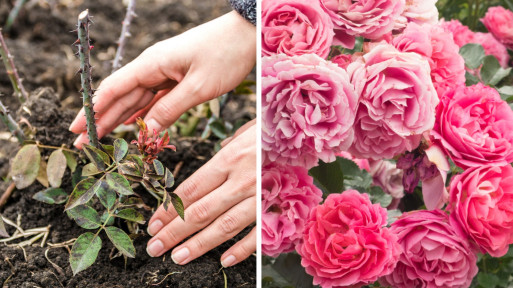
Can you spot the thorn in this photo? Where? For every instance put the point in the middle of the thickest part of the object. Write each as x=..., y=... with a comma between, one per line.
x=91, y=47
x=81, y=90
x=77, y=42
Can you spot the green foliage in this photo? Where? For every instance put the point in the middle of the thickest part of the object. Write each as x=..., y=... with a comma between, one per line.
x=121, y=240
x=491, y=72
x=51, y=196
x=120, y=149
x=84, y=251
x=285, y=271
x=473, y=54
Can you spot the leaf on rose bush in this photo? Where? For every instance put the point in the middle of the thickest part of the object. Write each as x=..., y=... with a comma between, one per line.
x=131, y=214
x=85, y=216
x=51, y=196
x=106, y=195
x=90, y=170
x=109, y=149
x=106, y=219
x=506, y=93
x=218, y=128
x=56, y=167
x=169, y=179
x=328, y=177
x=178, y=204
x=84, y=252
x=487, y=280
x=159, y=167
x=25, y=166
x=378, y=196
x=470, y=79
x=71, y=161
x=473, y=55
x=136, y=159
x=3, y=231
x=131, y=171
x=135, y=202
x=97, y=156
x=42, y=177
x=393, y=215
x=491, y=72
x=289, y=267
x=83, y=192
x=120, y=149
x=121, y=240
x=119, y=184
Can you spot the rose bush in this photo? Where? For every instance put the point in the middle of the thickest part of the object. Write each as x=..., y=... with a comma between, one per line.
x=308, y=109
x=345, y=243
x=288, y=195
x=295, y=27
x=433, y=254
x=482, y=205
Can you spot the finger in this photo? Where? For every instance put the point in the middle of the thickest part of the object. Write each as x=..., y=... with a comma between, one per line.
x=239, y=131
x=197, y=216
x=241, y=250
x=206, y=179
x=167, y=110
x=142, y=112
x=222, y=229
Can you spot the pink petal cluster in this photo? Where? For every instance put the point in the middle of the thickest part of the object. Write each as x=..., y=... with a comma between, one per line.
x=367, y=18
x=388, y=177
x=434, y=255
x=482, y=205
x=438, y=47
x=499, y=22
x=418, y=11
x=345, y=243
x=308, y=109
x=295, y=27
x=288, y=196
x=462, y=35
x=475, y=126
x=397, y=102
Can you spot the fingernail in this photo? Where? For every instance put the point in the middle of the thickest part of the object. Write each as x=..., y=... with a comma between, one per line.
x=153, y=124
x=71, y=125
x=180, y=255
x=155, y=248
x=79, y=138
x=154, y=227
x=228, y=261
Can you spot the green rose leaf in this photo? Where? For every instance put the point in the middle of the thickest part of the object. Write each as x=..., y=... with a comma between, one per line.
x=131, y=214
x=90, y=170
x=487, y=280
x=492, y=72
x=121, y=240
x=106, y=195
x=109, y=149
x=56, y=167
x=177, y=203
x=119, y=184
x=86, y=217
x=71, y=161
x=97, y=156
x=473, y=55
x=84, y=252
x=83, y=192
x=106, y=219
x=25, y=166
x=169, y=179
x=378, y=196
x=51, y=196
x=120, y=149
x=159, y=168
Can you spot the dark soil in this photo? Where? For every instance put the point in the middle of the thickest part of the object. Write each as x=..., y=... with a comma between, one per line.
x=41, y=44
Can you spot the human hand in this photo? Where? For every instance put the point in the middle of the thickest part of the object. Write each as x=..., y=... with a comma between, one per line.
x=219, y=200
x=188, y=69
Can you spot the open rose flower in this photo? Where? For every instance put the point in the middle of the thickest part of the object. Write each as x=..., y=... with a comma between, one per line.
x=295, y=27
x=475, y=126
x=438, y=47
x=481, y=203
x=499, y=22
x=434, y=255
x=418, y=11
x=288, y=195
x=308, y=109
x=367, y=18
x=345, y=243
x=397, y=102
x=461, y=34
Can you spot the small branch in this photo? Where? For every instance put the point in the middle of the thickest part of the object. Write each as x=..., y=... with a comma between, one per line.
x=13, y=14
x=125, y=33
x=85, y=76
x=57, y=148
x=19, y=90
x=11, y=124
x=7, y=194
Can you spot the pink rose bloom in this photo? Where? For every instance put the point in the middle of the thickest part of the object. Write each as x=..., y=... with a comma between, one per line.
x=295, y=27
x=481, y=203
x=499, y=21
x=418, y=11
x=288, y=195
x=492, y=47
x=461, y=34
x=342, y=60
x=345, y=242
x=474, y=126
x=363, y=164
x=434, y=255
x=388, y=177
x=397, y=102
x=308, y=109
x=368, y=18
x=438, y=47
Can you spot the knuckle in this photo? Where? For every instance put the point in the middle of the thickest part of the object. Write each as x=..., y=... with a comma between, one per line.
x=171, y=237
x=188, y=190
x=201, y=244
x=229, y=224
x=199, y=213
x=245, y=250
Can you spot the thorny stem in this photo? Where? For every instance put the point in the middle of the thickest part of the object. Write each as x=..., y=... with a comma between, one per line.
x=116, y=64
x=85, y=76
x=11, y=124
x=13, y=14
x=19, y=90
